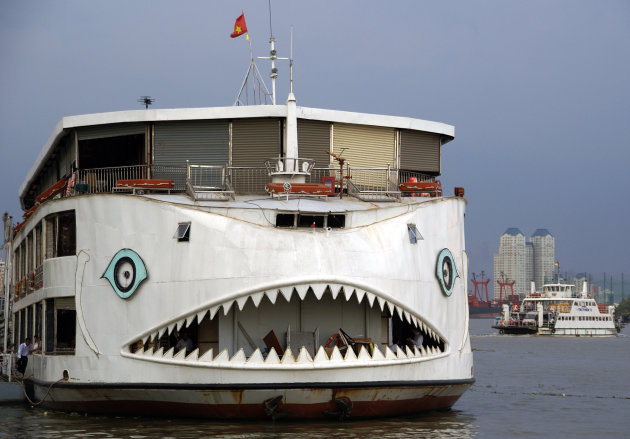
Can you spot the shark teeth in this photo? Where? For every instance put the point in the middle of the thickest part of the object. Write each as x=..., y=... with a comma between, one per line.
x=146, y=346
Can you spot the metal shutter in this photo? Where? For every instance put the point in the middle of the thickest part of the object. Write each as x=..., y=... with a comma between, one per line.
x=368, y=146
x=110, y=130
x=254, y=141
x=314, y=141
x=203, y=142
x=420, y=151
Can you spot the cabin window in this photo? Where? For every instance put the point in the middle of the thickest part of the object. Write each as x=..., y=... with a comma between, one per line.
x=61, y=234
x=313, y=221
x=66, y=330
x=111, y=151
x=183, y=232
x=414, y=234
x=309, y=220
x=285, y=220
x=60, y=323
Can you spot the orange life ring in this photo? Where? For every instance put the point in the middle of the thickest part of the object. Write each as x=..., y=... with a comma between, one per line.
x=17, y=288
x=32, y=279
x=332, y=338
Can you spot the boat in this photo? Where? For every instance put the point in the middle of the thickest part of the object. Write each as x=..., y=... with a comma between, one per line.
x=477, y=306
x=558, y=310
x=204, y=263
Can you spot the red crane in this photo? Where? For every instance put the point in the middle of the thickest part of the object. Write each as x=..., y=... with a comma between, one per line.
x=504, y=283
x=480, y=285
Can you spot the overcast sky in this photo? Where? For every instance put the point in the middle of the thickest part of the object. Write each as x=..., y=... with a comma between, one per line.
x=538, y=92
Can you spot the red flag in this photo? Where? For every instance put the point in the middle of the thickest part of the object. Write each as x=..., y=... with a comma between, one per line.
x=239, y=27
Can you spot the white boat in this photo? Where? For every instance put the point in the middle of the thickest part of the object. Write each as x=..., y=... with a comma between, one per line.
x=558, y=310
x=293, y=278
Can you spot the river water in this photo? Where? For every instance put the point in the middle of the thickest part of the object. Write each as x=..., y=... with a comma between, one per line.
x=527, y=386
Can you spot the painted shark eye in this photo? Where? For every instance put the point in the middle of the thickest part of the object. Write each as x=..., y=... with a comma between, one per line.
x=125, y=272
x=446, y=271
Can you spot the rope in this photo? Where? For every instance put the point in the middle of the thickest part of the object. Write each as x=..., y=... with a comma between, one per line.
x=26, y=395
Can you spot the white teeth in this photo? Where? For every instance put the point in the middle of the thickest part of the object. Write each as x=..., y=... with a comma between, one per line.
x=287, y=292
x=272, y=295
x=302, y=290
x=180, y=355
x=256, y=358
x=334, y=291
x=364, y=355
x=239, y=357
x=201, y=315
x=350, y=355
x=377, y=355
x=193, y=356
x=371, y=298
x=213, y=311
x=360, y=294
x=241, y=301
x=288, y=357
x=303, y=356
x=223, y=357
x=348, y=293
x=336, y=355
x=321, y=356
x=207, y=357
x=257, y=297
x=318, y=290
x=227, y=306
x=272, y=357
x=381, y=302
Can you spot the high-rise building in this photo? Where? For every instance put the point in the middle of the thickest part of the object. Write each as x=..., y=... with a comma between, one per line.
x=544, y=257
x=524, y=262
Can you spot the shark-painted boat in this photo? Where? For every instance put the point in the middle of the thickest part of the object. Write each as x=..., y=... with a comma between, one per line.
x=191, y=262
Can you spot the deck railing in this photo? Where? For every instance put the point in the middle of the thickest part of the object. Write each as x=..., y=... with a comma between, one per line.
x=242, y=180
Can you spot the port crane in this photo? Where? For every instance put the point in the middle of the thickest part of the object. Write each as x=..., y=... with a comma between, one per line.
x=480, y=287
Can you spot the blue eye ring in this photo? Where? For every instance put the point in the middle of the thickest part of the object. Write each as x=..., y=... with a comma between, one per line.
x=125, y=272
x=446, y=271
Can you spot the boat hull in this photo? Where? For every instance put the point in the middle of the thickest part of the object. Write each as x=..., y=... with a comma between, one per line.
x=299, y=401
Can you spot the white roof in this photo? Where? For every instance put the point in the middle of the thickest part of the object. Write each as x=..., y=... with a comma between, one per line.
x=234, y=112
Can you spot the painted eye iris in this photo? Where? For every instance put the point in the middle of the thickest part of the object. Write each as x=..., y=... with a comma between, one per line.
x=125, y=272
x=446, y=271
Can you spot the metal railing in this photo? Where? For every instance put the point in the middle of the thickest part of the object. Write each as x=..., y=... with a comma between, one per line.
x=287, y=165
x=244, y=180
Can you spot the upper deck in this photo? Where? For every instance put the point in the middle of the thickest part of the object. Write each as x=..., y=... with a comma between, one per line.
x=228, y=148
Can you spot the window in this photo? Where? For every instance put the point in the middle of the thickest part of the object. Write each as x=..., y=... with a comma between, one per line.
x=183, y=232
x=61, y=234
x=310, y=220
x=414, y=234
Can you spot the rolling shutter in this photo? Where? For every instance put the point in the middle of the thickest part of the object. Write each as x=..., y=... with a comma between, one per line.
x=110, y=130
x=367, y=147
x=203, y=142
x=314, y=141
x=420, y=151
x=254, y=141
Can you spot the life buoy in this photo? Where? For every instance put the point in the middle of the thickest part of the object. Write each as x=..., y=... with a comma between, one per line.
x=32, y=279
x=333, y=338
x=17, y=288
x=515, y=307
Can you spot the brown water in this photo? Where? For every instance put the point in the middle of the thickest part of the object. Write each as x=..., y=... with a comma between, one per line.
x=527, y=386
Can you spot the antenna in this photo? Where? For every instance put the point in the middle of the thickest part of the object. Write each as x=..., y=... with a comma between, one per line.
x=291, y=62
x=146, y=100
x=273, y=56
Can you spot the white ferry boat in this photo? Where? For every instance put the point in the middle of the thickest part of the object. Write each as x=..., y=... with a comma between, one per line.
x=191, y=262
x=558, y=310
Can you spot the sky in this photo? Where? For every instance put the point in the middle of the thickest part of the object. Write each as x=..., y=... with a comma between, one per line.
x=538, y=92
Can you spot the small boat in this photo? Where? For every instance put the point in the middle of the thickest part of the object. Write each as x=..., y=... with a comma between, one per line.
x=558, y=310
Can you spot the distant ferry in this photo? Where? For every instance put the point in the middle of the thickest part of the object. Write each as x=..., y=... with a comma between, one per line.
x=558, y=310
